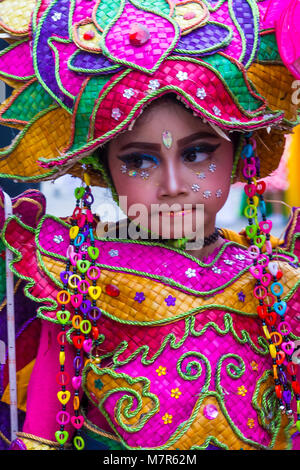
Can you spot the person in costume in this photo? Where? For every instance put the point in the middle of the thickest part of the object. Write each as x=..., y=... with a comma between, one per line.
x=145, y=343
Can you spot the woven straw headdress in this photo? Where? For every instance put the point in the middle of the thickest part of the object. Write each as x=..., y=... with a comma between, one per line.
x=83, y=70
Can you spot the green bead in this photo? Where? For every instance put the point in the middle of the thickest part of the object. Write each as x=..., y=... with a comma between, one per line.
x=78, y=442
x=79, y=192
x=259, y=241
x=251, y=230
x=83, y=265
x=298, y=425
x=61, y=436
x=93, y=252
x=63, y=316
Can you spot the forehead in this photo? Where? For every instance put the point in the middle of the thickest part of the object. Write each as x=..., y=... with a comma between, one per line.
x=159, y=117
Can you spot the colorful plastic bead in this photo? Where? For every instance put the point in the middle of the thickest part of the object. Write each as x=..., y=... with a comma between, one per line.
x=265, y=226
x=79, y=192
x=76, y=299
x=276, y=288
x=93, y=252
x=95, y=292
x=93, y=273
x=63, y=396
x=63, y=316
x=62, y=418
x=63, y=297
x=61, y=436
x=280, y=307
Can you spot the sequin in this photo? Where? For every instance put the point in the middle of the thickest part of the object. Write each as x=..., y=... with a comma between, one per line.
x=210, y=412
x=182, y=76
x=217, y=111
x=167, y=139
x=212, y=167
x=201, y=93
x=170, y=300
x=139, y=297
x=128, y=93
x=219, y=192
x=113, y=252
x=58, y=239
x=116, y=114
x=207, y=194
x=132, y=173
x=154, y=85
x=144, y=174
x=195, y=187
x=190, y=272
x=201, y=175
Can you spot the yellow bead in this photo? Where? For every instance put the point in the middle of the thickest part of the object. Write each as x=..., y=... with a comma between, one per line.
x=272, y=349
x=73, y=232
x=62, y=357
x=94, y=292
x=266, y=332
x=87, y=179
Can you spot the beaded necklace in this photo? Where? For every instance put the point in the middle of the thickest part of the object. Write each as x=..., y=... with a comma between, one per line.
x=81, y=291
x=268, y=288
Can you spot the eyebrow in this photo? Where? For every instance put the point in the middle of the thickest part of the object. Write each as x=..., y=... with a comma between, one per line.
x=181, y=142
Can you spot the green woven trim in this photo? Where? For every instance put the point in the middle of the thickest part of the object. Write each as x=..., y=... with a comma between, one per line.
x=171, y=342
x=214, y=7
x=133, y=64
x=54, y=38
x=30, y=100
x=127, y=399
x=30, y=281
x=170, y=281
x=8, y=75
x=224, y=43
x=269, y=400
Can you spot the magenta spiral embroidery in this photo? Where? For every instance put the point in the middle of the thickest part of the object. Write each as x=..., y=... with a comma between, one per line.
x=268, y=288
x=80, y=295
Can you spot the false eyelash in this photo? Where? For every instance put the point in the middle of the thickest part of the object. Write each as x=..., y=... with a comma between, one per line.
x=130, y=158
x=205, y=148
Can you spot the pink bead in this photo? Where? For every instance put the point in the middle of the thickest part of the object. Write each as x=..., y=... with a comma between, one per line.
x=253, y=251
x=265, y=226
x=284, y=328
x=268, y=246
x=62, y=417
x=256, y=271
x=76, y=382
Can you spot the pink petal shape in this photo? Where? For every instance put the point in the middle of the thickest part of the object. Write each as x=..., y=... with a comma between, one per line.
x=16, y=62
x=148, y=56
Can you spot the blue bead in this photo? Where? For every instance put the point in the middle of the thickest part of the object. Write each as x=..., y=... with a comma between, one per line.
x=247, y=151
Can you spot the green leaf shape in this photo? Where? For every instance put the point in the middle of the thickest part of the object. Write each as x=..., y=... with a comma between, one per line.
x=28, y=103
x=235, y=79
x=85, y=106
x=106, y=12
x=158, y=6
x=268, y=49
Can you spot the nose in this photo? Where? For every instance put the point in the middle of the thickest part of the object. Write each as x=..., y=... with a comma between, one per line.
x=172, y=183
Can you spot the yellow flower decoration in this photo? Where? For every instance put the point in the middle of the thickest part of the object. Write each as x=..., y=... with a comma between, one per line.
x=250, y=423
x=161, y=370
x=242, y=390
x=175, y=392
x=167, y=419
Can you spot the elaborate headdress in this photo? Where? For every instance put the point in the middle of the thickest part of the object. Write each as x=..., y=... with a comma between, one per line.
x=83, y=70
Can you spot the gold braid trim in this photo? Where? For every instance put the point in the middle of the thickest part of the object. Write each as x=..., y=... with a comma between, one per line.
x=38, y=443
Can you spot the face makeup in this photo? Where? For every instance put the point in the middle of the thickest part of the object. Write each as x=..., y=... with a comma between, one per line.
x=167, y=139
